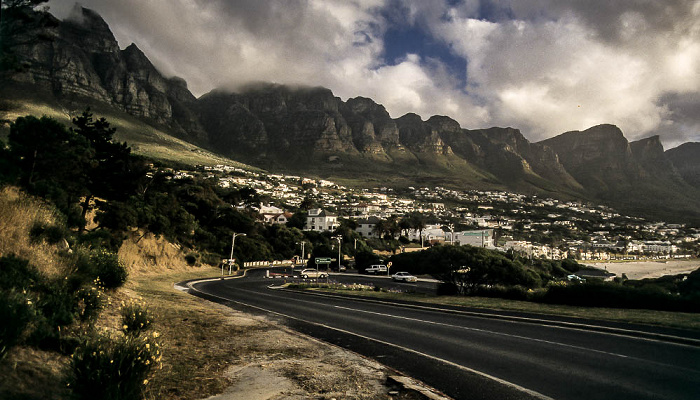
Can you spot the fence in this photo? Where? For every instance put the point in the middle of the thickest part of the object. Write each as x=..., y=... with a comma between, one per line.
x=263, y=264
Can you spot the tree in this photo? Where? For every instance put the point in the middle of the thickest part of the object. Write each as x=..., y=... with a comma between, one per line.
x=112, y=173
x=51, y=161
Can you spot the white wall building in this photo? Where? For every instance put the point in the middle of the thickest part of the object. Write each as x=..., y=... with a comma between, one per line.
x=365, y=227
x=477, y=238
x=320, y=220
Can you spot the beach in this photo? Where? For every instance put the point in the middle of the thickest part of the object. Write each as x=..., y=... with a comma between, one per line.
x=647, y=269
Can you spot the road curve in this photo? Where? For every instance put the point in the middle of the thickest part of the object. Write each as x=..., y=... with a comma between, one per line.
x=468, y=356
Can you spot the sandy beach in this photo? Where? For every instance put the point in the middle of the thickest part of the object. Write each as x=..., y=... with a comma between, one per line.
x=648, y=269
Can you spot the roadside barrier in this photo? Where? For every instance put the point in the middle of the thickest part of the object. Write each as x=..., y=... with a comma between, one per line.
x=276, y=263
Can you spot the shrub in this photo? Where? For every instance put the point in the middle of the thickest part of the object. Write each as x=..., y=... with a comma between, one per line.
x=136, y=318
x=504, y=292
x=106, y=368
x=191, y=259
x=107, y=267
x=16, y=312
x=50, y=233
x=90, y=301
x=17, y=273
x=56, y=307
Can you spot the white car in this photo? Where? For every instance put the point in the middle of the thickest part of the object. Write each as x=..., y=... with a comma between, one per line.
x=404, y=276
x=377, y=269
x=312, y=273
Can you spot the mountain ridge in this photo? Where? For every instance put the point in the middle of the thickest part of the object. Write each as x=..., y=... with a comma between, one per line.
x=309, y=129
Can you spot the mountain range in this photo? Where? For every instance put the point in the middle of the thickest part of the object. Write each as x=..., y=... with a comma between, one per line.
x=308, y=130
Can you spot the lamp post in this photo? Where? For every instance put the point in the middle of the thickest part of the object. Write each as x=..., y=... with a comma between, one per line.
x=339, y=239
x=302, y=249
x=230, y=259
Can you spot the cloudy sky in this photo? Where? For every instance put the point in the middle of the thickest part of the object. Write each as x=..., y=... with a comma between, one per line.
x=543, y=66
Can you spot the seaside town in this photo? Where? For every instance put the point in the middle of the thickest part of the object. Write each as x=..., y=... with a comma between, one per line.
x=532, y=226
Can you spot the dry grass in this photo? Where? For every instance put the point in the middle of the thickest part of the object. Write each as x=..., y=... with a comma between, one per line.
x=207, y=348
x=18, y=213
x=145, y=254
x=33, y=374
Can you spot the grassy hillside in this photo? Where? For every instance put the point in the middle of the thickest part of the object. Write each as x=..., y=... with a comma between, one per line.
x=144, y=139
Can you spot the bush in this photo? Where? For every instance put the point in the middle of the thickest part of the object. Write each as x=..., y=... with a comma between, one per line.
x=51, y=234
x=105, y=368
x=504, y=292
x=191, y=259
x=16, y=312
x=107, y=267
x=135, y=318
x=604, y=294
x=56, y=306
x=90, y=301
x=16, y=273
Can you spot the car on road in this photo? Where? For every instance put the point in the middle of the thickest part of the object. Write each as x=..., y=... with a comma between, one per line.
x=376, y=269
x=341, y=268
x=312, y=273
x=575, y=278
x=403, y=276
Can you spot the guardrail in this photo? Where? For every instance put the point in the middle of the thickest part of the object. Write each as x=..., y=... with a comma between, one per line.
x=276, y=263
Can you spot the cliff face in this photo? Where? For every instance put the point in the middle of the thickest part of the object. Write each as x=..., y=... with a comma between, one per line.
x=600, y=158
x=80, y=57
x=309, y=128
x=686, y=159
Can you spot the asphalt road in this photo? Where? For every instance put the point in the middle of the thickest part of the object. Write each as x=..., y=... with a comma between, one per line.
x=470, y=356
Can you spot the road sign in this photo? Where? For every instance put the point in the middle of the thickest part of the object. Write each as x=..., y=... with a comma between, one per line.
x=325, y=260
x=388, y=265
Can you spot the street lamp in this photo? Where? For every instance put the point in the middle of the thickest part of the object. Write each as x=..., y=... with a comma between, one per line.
x=339, y=239
x=302, y=249
x=230, y=259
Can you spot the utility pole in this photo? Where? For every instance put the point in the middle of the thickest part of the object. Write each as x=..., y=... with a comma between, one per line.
x=339, y=239
x=230, y=259
x=302, y=250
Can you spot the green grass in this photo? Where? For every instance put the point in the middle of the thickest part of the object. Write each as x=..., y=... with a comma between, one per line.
x=649, y=317
x=143, y=138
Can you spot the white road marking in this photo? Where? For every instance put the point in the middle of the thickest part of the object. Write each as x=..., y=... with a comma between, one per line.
x=483, y=374
x=485, y=331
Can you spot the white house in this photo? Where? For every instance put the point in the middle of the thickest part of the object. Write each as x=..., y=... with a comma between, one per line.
x=365, y=227
x=477, y=238
x=657, y=246
x=274, y=215
x=430, y=234
x=319, y=220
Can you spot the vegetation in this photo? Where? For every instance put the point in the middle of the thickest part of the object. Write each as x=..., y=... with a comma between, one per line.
x=474, y=271
x=107, y=368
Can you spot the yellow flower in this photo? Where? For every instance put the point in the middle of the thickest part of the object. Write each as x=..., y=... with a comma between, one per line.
x=145, y=381
x=156, y=334
x=125, y=327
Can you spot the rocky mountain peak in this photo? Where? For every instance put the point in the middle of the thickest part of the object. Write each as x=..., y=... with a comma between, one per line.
x=648, y=148
x=443, y=124
x=90, y=29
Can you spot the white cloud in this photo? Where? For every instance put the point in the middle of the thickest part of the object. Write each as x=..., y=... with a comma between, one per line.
x=544, y=66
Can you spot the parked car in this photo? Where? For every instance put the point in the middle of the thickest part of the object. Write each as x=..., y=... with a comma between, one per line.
x=404, y=276
x=376, y=269
x=341, y=268
x=312, y=273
